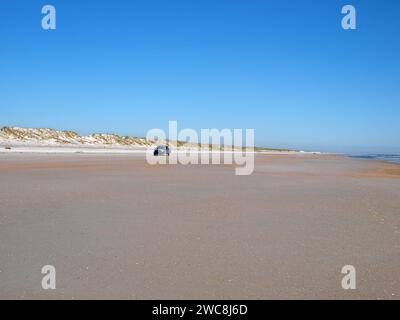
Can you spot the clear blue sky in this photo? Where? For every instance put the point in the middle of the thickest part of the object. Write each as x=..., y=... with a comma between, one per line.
x=285, y=68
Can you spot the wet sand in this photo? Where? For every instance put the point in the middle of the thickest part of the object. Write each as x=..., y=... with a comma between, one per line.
x=116, y=227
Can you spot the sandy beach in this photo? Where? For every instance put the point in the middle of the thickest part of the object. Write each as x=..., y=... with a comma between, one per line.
x=115, y=227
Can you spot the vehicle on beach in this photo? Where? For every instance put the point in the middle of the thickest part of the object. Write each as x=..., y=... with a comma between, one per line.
x=162, y=151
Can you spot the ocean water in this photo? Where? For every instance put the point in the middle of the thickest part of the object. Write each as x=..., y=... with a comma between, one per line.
x=385, y=157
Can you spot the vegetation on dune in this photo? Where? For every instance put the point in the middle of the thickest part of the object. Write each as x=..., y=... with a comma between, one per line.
x=47, y=135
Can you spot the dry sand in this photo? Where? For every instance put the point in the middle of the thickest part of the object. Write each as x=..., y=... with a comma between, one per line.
x=115, y=227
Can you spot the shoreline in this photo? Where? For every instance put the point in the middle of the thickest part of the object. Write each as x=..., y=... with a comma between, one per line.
x=363, y=168
x=140, y=150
